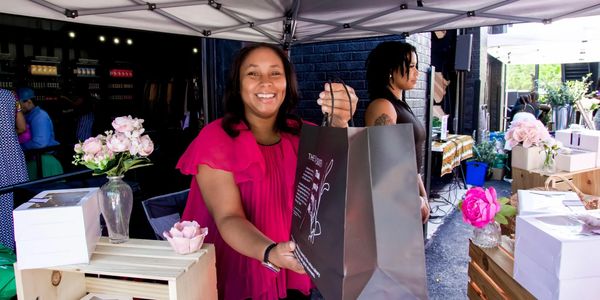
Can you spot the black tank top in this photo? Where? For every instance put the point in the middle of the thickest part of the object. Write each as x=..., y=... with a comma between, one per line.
x=405, y=115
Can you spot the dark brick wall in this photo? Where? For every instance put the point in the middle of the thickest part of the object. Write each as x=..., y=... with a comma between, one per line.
x=316, y=63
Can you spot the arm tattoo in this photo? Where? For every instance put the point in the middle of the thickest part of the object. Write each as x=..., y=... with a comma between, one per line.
x=383, y=120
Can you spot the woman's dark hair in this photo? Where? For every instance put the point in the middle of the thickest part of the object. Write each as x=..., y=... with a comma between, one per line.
x=386, y=58
x=234, y=106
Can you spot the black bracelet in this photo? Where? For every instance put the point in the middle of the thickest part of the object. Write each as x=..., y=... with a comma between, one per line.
x=266, y=261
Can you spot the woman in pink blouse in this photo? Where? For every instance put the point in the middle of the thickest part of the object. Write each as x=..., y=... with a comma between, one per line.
x=244, y=166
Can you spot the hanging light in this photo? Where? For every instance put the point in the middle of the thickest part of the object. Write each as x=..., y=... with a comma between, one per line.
x=195, y=50
x=72, y=34
x=102, y=38
x=129, y=42
x=116, y=41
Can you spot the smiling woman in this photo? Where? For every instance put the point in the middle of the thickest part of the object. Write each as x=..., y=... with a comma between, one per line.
x=244, y=166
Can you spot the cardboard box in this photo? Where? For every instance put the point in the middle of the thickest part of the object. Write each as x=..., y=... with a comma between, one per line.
x=582, y=139
x=531, y=158
x=497, y=173
x=576, y=160
x=553, y=259
x=545, y=202
x=57, y=227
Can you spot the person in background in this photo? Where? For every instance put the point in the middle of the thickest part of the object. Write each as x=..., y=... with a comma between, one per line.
x=82, y=103
x=244, y=166
x=42, y=135
x=12, y=162
x=392, y=70
x=526, y=104
x=23, y=132
x=42, y=129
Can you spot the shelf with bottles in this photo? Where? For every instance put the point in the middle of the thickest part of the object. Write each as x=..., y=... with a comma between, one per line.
x=86, y=72
x=43, y=75
x=120, y=82
x=85, y=68
x=44, y=66
x=7, y=71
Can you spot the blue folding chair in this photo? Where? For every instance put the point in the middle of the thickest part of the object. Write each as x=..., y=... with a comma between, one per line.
x=164, y=210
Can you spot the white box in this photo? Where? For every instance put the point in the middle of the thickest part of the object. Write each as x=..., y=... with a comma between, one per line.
x=543, y=285
x=57, y=227
x=546, y=202
x=582, y=139
x=576, y=160
x=553, y=260
x=531, y=158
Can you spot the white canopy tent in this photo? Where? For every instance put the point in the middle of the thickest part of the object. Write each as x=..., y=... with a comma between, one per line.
x=574, y=40
x=299, y=21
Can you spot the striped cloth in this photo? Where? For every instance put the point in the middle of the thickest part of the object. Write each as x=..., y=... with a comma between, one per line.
x=454, y=150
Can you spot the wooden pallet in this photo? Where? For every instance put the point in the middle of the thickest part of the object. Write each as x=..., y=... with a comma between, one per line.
x=491, y=274
x=145, y=269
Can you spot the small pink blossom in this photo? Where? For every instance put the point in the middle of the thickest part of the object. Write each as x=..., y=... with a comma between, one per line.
x=480, y=206
x=118, y=142
x=186, y=237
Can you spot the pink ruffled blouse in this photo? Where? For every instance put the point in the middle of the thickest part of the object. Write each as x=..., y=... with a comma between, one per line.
x=265, y=177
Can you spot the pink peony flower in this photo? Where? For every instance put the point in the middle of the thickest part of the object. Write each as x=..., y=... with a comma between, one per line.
x=124, y=124
x=527, y=132
x=146, y=146
x=186, y=237
x=114, y=153
x=118, y=142
x=480, y=206
x=92, y=145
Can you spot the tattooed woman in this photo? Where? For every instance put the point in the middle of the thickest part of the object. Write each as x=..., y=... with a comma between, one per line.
x=391, y=70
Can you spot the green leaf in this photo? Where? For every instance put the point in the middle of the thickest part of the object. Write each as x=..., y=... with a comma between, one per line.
x=501, y=219
x=507, y=211
x=503, y=200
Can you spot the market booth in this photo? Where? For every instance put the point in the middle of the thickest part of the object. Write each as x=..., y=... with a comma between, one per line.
x=283, y=22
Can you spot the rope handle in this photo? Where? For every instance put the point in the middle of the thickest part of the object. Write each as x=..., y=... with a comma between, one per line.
x=328, y=118
x=553, y=178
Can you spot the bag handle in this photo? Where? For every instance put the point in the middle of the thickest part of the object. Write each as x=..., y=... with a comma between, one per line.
x=553, y=178
x=327, y=118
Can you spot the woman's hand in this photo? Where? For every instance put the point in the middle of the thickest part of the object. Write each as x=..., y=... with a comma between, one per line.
x=283, y=256
x=424, y=209
x=341, y=109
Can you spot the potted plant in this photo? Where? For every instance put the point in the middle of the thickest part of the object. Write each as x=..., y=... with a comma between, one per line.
x=562, y=96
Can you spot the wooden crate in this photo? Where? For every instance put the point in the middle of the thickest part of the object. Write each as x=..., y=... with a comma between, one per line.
x=491, y=274
x=145, y=269
x=585, y=180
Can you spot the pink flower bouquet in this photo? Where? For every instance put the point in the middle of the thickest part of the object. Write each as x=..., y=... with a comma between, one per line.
x=118, y=151
x=481, y=207
x=186, y=237
x=528, y=132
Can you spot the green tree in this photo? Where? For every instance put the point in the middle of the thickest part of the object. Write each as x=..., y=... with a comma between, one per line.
x=550, y=73
x=519, y=77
